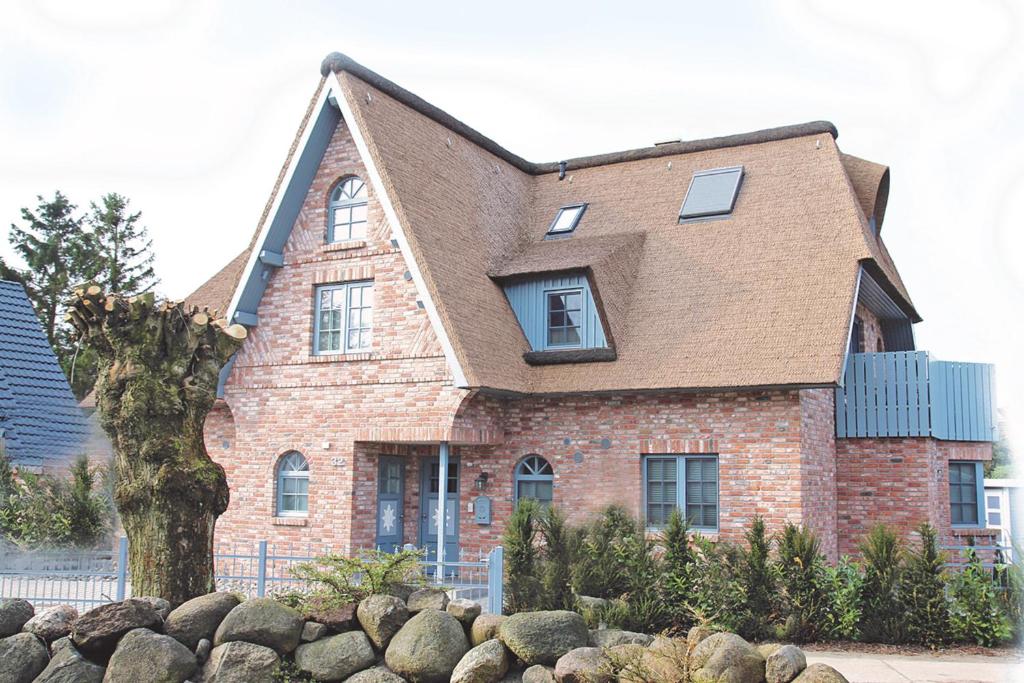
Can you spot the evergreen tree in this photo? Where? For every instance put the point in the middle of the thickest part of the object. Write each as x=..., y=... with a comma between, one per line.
x=923, y=592
x=881, y=619
x=522, y=564
x=556, y=579
x=58, y=255
x=9, y=273
x=758, y=582
x=123, y=247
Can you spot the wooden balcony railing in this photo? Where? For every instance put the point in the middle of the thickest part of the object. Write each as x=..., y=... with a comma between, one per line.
x=906, y=393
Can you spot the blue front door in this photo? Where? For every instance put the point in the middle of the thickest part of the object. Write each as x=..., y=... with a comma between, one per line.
x=390, y=503
x=428, y=510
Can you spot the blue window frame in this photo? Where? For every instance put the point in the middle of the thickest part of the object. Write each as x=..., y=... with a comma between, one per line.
x=346, y=213
x=535, y=479
x=292, y=485
x=687, y=482
x=565, y=319
x=344, y=318
x=966, y=491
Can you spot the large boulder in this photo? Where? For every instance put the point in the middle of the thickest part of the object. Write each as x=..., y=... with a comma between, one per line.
x=14, y=614
x=485, y=627
x=464, y=610
x=338, y=618
x=96, y=632
x=663, y=660
x=262, y=621
x=610, y=637
x=381, y=616
x=485, y=663
x=726, y=658
x=199, y=618
x=67, y=665
x=142, y=655
x=238, y=662
x=538, y=673
x=377, y=674
x=583, y=665
x=427, y=598
x=543, y=637
x=22, y=658
x=53, y=623
x=428, y=647
x=337, y=657
x=820, y=673
x=784, y=664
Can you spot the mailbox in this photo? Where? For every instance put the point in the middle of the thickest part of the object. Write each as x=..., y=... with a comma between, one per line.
x=482, y=510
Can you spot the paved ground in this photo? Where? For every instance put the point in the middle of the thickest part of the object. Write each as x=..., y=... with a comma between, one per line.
x=924, y=668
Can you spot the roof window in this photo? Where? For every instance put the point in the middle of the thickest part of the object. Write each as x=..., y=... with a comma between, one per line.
x=567, y=218
x=711, y=193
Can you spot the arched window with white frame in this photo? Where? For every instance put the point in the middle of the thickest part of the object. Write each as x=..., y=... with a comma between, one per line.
x=292, y=485
x=346, y=214
x=535, y=479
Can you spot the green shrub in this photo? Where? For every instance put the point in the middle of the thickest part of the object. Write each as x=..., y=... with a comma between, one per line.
x=974, y=613
x=713, y=590
x=676, y=561
x=843, y=583
x=523, y=585
x=599, y=571
x=924, y=606
x=801, y=578
x=556, y=574
x=51, y=511
x=1010, y=579
x=339, y=580
x=759, y=583
x=882, y=613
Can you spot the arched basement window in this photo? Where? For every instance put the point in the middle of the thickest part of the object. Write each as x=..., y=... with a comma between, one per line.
x=346, y=214
x=292, y=485
x=535, y=479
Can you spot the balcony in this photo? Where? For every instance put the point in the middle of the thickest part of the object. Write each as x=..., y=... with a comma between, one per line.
x=906, y=393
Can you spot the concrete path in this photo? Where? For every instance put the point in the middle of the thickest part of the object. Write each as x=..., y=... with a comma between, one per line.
x=924, y=668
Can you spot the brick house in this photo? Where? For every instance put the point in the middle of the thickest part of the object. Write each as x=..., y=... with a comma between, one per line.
x=713, y=324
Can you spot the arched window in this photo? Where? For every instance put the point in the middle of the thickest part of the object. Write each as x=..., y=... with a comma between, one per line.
x=292, y=485
x=346, y=215
x=535, y=479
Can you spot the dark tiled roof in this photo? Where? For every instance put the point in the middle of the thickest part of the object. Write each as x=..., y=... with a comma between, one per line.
x=42, y=423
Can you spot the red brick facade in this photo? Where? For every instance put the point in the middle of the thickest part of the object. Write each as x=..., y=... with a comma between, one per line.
x=777, y=452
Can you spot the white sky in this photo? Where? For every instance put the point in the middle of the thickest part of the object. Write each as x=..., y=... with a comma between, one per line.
x=188, y=107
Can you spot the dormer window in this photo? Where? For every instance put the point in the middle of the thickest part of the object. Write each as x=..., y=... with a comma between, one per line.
x=346, y=215
x=711, y=193
x=567, y=218
x=565, y=318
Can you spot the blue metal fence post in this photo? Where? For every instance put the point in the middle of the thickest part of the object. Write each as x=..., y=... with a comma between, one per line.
x=496, y=580
x=122, y=567
x=261, y=571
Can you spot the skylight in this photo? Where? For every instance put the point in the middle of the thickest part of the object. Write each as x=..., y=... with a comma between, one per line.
x=711, y=193
x=567, y=218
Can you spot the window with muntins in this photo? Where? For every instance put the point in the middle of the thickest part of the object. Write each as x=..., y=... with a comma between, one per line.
x=346, y=216
x=565, y=318
x=686, y=482
x=711, y=193
x=965, y=486
x=344, y=318
x=535, y=479
x=292, y=485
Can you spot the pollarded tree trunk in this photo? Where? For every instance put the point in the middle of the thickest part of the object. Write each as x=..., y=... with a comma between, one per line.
x=157, y=382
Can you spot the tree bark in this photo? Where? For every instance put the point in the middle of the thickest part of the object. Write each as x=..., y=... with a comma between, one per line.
x=160, y=364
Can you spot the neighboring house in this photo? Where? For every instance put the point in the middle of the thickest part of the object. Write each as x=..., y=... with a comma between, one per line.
x=1004, y=509
x=433, y=317
x=41, y=426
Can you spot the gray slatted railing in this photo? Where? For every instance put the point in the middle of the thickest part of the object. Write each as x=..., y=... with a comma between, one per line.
x=905, y=393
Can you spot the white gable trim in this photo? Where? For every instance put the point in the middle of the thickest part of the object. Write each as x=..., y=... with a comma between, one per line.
x=335, y=93
x=459, y=377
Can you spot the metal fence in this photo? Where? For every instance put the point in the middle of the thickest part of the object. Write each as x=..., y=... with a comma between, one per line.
x=85, y=579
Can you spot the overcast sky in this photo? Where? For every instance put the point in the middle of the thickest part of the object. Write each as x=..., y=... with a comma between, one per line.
x=188, y=107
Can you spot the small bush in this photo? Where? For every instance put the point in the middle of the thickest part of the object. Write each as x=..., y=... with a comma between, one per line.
x=713, y=590
x=759, y=583
x=883, y=565
x=523, y=584
x=556, y=581
x=339, y=580
x=1010, y=579
x=843, y=583
x=676, y=561
x=598, y=571
x=801, y=578
x=974, y=613
x=924, y=606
